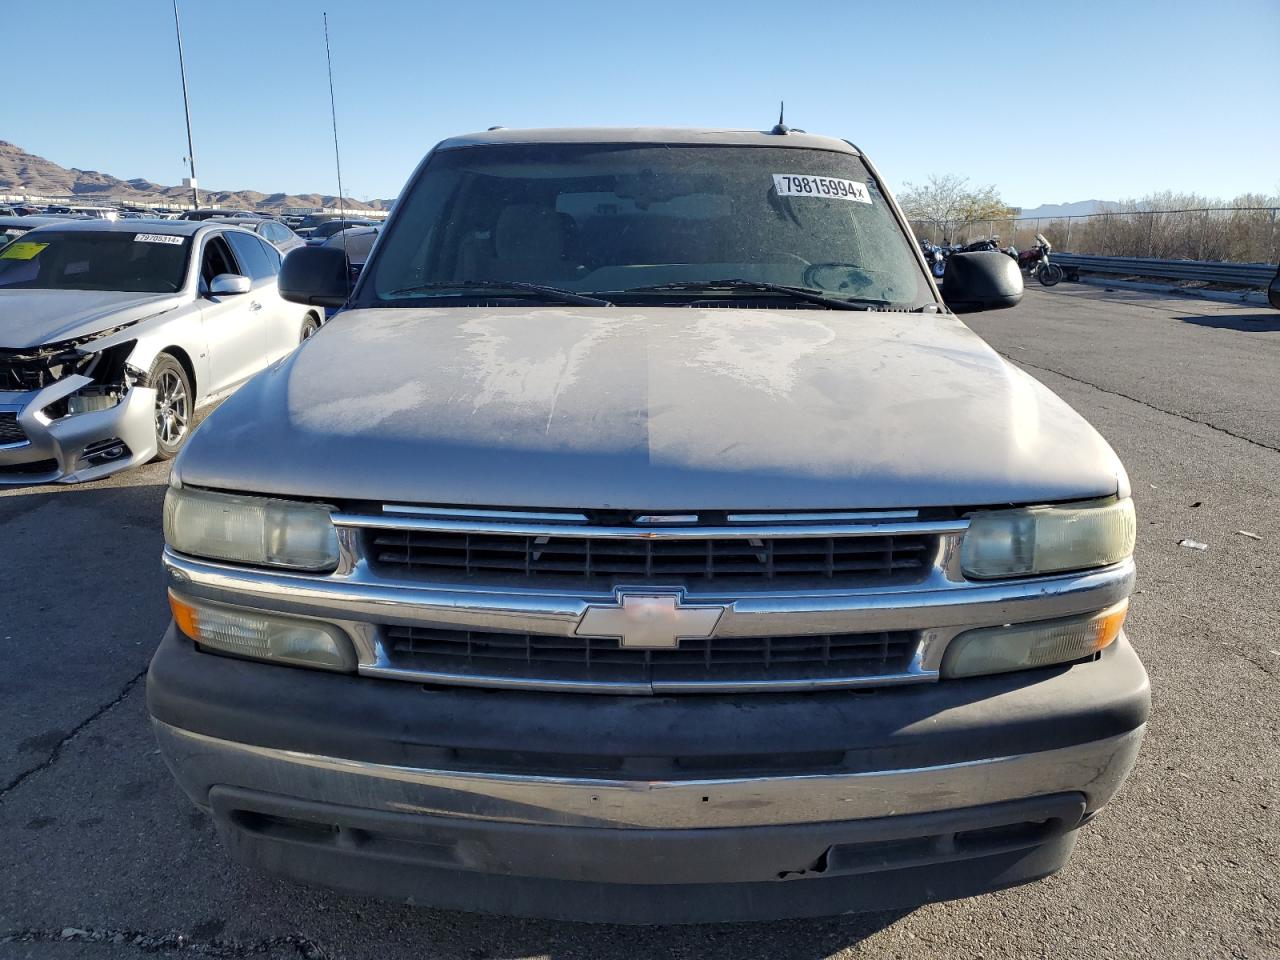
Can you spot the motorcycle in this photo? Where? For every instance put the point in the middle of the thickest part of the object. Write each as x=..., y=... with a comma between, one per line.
x=934, y=257
x=1035, y=262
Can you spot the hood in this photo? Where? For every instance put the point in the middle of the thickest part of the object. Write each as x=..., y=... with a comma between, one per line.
x=32, y=318
x=656, y=409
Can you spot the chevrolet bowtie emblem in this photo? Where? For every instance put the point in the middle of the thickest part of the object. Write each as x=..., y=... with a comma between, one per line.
x=649, y=621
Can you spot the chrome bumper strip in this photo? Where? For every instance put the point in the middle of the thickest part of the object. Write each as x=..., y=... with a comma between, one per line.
x=1095, y=769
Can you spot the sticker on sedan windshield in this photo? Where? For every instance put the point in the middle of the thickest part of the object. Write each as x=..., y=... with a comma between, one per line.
x=26, y=250
x=806, y=185
x=156, y=238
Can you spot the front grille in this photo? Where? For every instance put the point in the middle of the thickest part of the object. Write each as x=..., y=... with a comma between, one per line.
x=601, y=562
x=718, y=661
x=10, y=430
x=37, y=468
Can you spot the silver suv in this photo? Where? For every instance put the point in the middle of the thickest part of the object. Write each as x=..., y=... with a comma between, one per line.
x=648, y=540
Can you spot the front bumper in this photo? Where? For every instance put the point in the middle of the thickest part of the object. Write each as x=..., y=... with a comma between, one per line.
x=648, y=810
x=55, y=450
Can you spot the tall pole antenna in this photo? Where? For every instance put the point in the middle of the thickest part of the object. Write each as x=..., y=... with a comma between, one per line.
x=337, y=158
x=333, y=112
x=186, y=105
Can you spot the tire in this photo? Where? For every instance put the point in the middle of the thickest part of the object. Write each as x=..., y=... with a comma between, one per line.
x=309, y=328
x=939, y=269
x=175, y=405
x=1049, y=274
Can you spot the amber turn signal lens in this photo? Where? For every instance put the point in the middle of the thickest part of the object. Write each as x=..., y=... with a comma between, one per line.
x=263, y=635
x=1109, y=624
x=185, y=616
x=1025, y=646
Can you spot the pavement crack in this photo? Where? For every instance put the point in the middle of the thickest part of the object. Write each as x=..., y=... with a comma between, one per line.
x=1150, y=406
x=169, y=942
x=56, y=752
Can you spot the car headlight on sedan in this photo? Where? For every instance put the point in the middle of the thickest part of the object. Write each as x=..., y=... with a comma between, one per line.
x=254, y=530
x=93, y=399
x=1051, y=539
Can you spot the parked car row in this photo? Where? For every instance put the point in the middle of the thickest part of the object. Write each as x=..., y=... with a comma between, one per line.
x=12, y=227
x=272, y=231
x=312, y=227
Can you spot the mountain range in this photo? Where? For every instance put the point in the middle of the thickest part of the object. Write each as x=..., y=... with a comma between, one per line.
x=27, y=174
x=1076, y=209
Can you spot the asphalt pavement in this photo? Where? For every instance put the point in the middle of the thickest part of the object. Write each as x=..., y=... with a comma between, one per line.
x=102, y=858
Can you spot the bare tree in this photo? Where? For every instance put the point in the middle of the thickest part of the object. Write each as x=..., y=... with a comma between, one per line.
x=950, y=199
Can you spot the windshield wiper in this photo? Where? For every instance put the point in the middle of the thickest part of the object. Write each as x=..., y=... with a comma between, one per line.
x=800, y=293
x=462, y=287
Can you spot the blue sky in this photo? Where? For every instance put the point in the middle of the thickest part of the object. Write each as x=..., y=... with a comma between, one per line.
x=1050, y=102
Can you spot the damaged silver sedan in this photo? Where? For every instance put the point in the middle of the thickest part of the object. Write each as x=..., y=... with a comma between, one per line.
x=113, y=334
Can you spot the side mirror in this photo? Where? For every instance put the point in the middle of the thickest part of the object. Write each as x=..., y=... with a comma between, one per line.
x=1273, y=291
x=229, y=284
x=988, y=280
x=315, y=276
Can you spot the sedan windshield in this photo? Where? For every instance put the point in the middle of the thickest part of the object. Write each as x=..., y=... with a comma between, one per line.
x=82, y=260
x=646, y=224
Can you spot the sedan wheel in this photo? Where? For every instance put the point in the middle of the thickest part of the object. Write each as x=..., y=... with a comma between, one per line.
x=174, y=405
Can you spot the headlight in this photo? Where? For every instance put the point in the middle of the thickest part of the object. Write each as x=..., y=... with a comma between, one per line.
x=1024, y=646
x=263, y=636
x=1016, y=543
x=91, y=399
x=88, y=399
x=256, y=530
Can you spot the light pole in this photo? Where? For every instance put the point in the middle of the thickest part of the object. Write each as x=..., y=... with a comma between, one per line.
x=186, y=105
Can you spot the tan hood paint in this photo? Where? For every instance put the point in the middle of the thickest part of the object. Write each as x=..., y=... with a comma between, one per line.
x=668, y=408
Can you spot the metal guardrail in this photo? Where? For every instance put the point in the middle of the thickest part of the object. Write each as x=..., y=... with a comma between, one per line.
x=1256, y=275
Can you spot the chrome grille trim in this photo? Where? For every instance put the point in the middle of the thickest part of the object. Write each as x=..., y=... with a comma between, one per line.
x=363, y=598
x=773, y=531
x=858, y=516
x=482, y=514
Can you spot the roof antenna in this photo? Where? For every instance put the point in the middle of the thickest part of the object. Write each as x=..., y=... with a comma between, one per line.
x=337, y=159
x=781, y=129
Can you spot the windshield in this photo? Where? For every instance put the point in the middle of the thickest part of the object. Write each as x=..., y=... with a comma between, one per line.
x=67, y=260
x=601, y=219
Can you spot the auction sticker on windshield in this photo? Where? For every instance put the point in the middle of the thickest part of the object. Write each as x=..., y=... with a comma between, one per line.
x=156, y=238
x=806, y=185
x=25, y=250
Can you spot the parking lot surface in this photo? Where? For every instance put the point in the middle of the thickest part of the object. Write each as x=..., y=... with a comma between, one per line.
x=101, y=857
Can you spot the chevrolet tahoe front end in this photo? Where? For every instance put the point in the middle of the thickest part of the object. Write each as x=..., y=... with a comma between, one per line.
x=736, y=605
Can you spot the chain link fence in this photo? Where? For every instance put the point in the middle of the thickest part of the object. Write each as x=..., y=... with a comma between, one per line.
x=1232, y=234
